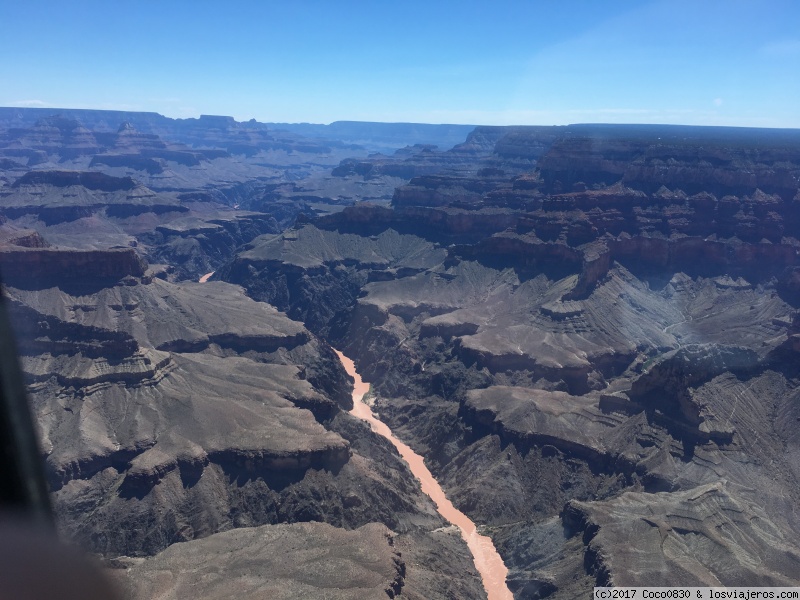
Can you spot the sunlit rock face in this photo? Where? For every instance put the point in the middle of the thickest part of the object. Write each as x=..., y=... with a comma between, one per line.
x=361, y=563
x=147, y=386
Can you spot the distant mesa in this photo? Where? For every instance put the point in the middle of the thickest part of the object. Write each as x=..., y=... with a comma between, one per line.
x=217, y=121
x=89, y=179
x=38, y=265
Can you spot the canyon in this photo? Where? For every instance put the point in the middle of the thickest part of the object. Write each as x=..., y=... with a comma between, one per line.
x=488, y=563
x=588, y=332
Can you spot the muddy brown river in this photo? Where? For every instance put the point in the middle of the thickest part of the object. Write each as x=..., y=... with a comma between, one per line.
x=487, y=561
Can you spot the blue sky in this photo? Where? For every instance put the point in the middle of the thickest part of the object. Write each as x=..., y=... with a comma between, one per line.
x=714, y=62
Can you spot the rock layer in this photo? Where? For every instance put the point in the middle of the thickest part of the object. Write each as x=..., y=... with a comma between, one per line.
x=302, y=560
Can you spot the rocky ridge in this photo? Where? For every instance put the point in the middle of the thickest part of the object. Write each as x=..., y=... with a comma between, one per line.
x=337, y=568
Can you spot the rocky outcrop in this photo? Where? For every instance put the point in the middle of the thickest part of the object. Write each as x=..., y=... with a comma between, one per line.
x=694, y=255
x=339, y=264
x=505, y=140
x=450, y=189
x=439, y=224
x=55, y=197
x=191, y=409
x=417, y=161
x=525, y=252
x=149, y=385
x=405, y=163
x=200, y=244
x=707, y=536
x=25, y=238
x=39, y=267
x=362, y=563
x=529, y=418
x=90, y=180
x=132, y=161
x=525, y=143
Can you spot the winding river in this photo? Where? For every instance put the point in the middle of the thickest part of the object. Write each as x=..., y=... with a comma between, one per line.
x=487, y=561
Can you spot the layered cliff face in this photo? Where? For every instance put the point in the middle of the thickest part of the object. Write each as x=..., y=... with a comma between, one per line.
x=315, y=275
x=414, y=161
x=144, y=386
x=54, y=197
x=88, y=210
x=567, y=343
x=214, y=156
x=201, y=243
x=63, y=139
x=718, y=161
x=337, y=569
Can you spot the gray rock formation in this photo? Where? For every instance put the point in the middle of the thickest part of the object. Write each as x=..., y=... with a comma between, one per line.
x=706, y=536
x=302, y=560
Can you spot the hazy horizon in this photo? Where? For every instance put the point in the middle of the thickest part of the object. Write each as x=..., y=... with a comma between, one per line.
x=54, y=111
x=671, y=62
